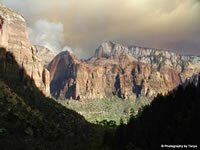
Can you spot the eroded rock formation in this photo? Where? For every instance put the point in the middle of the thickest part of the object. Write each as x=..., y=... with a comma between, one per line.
x=117, y=70
x=14, y=40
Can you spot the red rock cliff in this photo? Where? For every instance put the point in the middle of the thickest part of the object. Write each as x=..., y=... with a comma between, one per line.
x=117, y=70
x=14, y=39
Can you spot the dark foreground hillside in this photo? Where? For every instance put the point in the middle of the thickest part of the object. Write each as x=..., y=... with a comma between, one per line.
x=172, y=119
x=29, y=120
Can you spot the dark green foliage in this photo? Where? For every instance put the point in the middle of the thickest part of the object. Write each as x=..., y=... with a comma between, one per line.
x=106, y=123
x=39, y=122
x=29, y=120
x=170, y=119
x=114, y=109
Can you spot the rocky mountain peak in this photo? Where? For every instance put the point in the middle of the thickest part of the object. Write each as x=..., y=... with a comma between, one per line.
x=8, y=13
x=68, y=57
x=61, y=62
x=122, y=71
x=63, y=70
x=115, y=51
x=44, y=53
x=104, y=50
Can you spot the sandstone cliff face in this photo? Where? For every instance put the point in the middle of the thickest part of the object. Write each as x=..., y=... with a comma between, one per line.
x=117, y=70
x=14, y=39
x=63, y=72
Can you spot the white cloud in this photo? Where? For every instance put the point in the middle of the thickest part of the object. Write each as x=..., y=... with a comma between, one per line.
x=48, y=34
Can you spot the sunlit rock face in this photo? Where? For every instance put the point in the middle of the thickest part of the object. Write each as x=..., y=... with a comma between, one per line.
x=14, y=39
x=117, y=70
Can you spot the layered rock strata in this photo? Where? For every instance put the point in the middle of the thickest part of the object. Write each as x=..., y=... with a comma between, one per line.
x=17, y=50
x=117, y=70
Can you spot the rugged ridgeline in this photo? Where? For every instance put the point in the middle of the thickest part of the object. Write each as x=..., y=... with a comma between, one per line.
x=117, y=70
x=14, y=38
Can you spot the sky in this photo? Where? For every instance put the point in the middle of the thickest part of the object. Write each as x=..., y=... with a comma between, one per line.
x=82, y=25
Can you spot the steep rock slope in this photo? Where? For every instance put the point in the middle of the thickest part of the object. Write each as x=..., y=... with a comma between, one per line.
x=117, y=70
x=44, y=53
x=63, y=70
x=13, y=37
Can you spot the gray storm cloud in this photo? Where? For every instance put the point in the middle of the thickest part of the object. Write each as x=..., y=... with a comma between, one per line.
x=167, y=24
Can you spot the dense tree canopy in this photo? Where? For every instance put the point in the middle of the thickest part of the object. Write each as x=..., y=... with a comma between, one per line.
x=170, y=119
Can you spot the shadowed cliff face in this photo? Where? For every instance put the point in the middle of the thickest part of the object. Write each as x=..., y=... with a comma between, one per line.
x=117, y=70
x=60, y=77
x=32, y=121
x=28, y=119
x=13, y=37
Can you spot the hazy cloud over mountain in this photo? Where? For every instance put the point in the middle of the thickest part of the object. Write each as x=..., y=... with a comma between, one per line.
x=48, y=34
x=85, y=24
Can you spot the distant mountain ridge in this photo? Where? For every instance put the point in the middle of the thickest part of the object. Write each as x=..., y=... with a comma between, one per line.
x=115, y=70
x=145, y=55
x=122, y=71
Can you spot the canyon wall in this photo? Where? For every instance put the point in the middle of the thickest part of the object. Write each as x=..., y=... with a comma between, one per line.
x=15, y=47
x=117, y=70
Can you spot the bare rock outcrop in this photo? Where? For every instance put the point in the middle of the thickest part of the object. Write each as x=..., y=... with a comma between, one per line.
x=117, y=70
x=14, y=39
x=44, y=53
x=63, y=71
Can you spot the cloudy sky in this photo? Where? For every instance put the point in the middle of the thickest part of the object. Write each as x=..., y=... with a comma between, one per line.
x=82, y=25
